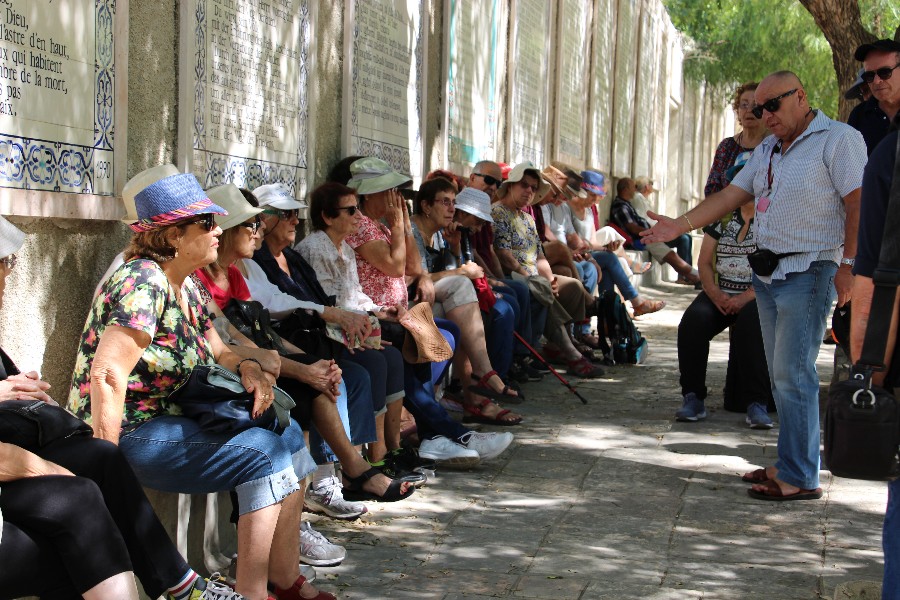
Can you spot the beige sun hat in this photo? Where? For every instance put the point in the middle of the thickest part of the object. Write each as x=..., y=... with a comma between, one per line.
x=139, y=182
x=11, y=238
x=230, y=198
x=516, y=175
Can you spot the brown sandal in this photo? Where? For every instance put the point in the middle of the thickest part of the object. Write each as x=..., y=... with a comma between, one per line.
x=648, y=306
x=475, y=414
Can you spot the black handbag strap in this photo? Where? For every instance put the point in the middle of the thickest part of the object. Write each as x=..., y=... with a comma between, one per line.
x=886, y=279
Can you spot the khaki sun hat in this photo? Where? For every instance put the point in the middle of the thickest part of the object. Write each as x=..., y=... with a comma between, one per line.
x=230, y=198
x=277, y=195
x=516, y=175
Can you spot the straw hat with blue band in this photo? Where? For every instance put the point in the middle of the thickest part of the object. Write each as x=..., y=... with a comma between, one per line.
x=170, y=200
x=371, y=175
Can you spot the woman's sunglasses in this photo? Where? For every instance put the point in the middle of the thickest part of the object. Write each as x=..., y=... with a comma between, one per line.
x=253, y=225
x=284, y=215
x=772, y=105
x=207, y=221
x=351, y=210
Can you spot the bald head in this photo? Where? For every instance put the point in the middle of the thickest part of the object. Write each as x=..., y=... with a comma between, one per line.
x=477, y=178
x=786, y=111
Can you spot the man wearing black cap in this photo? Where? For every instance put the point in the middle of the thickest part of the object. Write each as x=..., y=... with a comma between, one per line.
x=873, y=117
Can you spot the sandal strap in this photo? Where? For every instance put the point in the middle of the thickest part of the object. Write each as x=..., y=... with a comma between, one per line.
x=483, y=380
x=363, y=477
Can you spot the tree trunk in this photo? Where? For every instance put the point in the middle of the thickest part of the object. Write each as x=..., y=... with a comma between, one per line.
x=841, y=24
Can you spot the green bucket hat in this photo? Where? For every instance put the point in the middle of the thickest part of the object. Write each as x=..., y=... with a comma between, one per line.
x=371, y=175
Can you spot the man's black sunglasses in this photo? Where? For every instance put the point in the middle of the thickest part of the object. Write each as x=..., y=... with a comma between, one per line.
x=884, y=73
x=489, y=180
x=207, y=221
x=772, y=105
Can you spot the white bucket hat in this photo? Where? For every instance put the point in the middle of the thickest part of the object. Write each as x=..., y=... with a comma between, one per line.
x=11, y=238
x=475, y=202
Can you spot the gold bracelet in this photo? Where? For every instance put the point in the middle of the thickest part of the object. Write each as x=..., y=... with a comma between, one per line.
x=688, y=222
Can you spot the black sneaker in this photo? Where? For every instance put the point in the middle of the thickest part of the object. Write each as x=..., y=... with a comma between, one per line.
x=533, y=366
x=408, y=459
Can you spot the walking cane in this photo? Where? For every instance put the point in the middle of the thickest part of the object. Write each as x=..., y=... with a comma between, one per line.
x=546, y=364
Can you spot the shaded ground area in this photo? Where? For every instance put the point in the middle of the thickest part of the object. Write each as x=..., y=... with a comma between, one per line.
x=616, y=500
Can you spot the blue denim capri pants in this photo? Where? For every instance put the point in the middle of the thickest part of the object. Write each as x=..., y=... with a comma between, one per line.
x=173, y=454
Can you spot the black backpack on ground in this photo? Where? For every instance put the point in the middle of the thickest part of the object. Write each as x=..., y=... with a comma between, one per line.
x=626, y=344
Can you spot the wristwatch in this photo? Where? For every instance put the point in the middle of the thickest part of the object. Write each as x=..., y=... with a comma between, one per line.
x=848, y=261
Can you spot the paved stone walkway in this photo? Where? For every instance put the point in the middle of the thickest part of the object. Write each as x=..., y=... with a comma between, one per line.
x=616, y=500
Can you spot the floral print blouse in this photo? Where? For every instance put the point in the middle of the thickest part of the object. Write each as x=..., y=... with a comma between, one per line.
x=384, y=290
x=515, y=231
x=138, y=296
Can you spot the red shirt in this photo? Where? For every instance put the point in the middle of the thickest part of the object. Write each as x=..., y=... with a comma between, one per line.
x=237, y=287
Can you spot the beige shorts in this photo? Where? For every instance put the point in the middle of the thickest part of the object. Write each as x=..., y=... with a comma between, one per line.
x=451, y=292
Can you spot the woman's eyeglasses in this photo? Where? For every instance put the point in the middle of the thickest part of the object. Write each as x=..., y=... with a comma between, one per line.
x=284, y=215
x=207, y=221
x=772, y=105
x=253, y=225
x=351, y=210
x=9, y=261
x=445, y=201
x=884, y=73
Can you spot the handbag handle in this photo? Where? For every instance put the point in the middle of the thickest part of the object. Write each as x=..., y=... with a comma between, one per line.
x=886, y=279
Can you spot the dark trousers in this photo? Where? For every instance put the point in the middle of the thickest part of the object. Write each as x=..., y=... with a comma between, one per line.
x=64, y=535
x=747, y=380
x=683, y=245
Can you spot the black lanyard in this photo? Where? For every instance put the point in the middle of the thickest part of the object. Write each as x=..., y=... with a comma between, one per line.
x=769, y=177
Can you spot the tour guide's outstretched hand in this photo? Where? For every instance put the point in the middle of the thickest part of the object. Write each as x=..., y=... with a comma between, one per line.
x=665, y=230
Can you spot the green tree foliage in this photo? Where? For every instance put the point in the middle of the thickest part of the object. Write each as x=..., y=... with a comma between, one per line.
x=733, y=41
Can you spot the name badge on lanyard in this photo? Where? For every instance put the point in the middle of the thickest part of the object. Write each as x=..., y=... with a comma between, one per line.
x=762, y=205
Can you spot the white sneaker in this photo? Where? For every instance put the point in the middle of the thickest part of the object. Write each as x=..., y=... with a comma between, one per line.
x=487, y=445
x=447, y=453
x=326, y=497
x=316, y=550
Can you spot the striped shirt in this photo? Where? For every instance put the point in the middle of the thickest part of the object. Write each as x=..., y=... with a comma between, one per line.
x=804, y=210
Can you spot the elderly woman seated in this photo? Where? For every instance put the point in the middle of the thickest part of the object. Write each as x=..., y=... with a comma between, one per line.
x=438, y=238
x=147, y=329
x=336, y=216
x=75, y=521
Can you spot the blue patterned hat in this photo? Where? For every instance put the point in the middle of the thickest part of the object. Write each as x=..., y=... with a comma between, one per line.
x=170, y=200
x=592, y=181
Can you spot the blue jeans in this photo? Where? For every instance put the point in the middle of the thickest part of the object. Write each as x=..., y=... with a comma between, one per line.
x=614, y=274
x=683, y=246
x=451, y=333
x=890, y=588
x=536, y=313
x=792, y=316
x=173, y=454
x=498, y=336
x=354, y=406
x=431, y=418
x=517, y=294
x=587, y=272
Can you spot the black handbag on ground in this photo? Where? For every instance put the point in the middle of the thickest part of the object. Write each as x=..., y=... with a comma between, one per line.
x=216, y=398
x=862, y=421
x=252, y=320
x=32, y=424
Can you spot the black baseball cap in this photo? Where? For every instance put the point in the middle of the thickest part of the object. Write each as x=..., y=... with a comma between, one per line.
x=881, y=45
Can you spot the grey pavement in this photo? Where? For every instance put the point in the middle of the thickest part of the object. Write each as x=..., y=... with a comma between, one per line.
x=616, y=500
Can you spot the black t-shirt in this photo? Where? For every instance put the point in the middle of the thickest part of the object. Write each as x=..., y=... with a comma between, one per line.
x=870, y=121
x=876, y=188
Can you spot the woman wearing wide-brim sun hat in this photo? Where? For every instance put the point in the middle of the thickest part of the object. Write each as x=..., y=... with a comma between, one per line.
x=147, y=329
